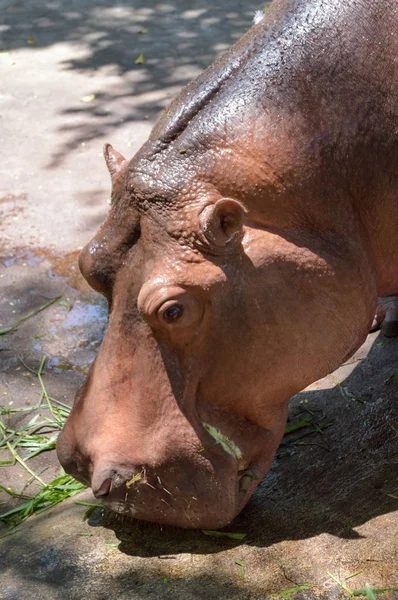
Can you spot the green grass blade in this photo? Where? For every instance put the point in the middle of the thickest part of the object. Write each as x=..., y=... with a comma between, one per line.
x=224, y=534
x=11, y=493
x=44, y=391
x=29, y=315
x=22, y=462
x=51, y=494
x=341, y=584
x=291, y=592
x=302, y=423
x=369, y=593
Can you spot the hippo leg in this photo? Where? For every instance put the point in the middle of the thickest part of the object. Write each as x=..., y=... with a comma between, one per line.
x=386, y=317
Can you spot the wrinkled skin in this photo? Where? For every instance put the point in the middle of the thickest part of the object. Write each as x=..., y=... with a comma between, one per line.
x=242, y=257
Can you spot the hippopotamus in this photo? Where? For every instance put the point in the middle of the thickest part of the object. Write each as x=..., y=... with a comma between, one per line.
x=244, y=251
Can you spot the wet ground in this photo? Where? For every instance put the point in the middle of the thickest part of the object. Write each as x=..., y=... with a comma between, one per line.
x=329, y=505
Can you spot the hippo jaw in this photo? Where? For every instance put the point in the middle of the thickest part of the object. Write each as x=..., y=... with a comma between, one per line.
x=171, y=505
x=209, y=498
x=202, y=481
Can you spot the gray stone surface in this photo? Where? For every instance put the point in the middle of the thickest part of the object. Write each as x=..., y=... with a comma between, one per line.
x=329, y=504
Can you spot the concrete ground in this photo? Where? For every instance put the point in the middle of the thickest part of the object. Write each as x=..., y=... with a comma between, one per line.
x=329, y=504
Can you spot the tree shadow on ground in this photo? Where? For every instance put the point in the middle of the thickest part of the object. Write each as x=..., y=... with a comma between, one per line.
x=59, y=569
x=177, y=40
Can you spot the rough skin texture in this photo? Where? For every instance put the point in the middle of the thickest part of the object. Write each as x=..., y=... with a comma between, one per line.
x=242, y=258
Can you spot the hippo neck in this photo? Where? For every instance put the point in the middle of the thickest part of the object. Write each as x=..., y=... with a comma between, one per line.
x=296, y=50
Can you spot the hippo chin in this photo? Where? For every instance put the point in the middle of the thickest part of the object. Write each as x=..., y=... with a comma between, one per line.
x=242, y=257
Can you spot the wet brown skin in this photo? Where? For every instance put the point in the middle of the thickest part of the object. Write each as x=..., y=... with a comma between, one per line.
x=242, y=258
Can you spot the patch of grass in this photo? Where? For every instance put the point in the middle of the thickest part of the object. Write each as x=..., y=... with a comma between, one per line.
x=52, y=493
x=372, y=593
x=27, y=436
x=366, y=592
x=91, y=508
x=38, y=435
x=309, y=426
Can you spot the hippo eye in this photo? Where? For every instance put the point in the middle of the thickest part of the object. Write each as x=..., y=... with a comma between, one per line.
x=172, y=312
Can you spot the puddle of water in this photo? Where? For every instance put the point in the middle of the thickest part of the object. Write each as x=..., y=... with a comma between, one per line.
x=82, y=315
x=72, y=343
x=22, y=258
x=72, y=330
x=64, y=266
x=80, y=363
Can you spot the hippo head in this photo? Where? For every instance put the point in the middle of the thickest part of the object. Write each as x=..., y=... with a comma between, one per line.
x=186, y=402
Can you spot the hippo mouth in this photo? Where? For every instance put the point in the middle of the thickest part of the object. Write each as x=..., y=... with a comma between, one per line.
x=199, y=476
x=203, y=488
x=151, y=497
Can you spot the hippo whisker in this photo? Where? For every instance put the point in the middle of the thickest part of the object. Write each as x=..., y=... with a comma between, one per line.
x=189, y=518
x=182, y=498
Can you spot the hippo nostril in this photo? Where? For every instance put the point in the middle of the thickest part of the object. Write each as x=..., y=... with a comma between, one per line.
x=103, y=489
x=107, y=479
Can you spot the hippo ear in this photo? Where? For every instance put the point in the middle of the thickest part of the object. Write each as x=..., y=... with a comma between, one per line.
x=114, y=160
x=222, y=220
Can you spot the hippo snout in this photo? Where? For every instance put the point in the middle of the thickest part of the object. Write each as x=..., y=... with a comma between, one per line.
x=179, y=488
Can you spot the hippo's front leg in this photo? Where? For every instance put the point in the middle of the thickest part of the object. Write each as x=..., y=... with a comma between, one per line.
x=386, y=317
